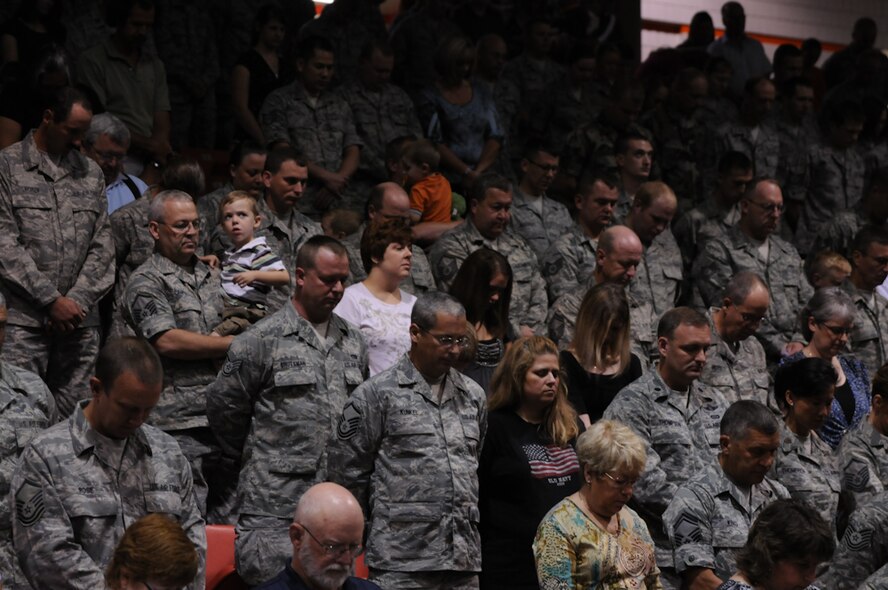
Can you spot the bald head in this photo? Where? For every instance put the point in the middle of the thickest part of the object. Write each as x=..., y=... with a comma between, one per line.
x=619, y=253
x=388, y=200
x=327, y=502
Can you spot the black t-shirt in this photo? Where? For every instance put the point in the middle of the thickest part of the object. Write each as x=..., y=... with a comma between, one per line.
x=521, y=476
x=262, y=78
x=590, y=393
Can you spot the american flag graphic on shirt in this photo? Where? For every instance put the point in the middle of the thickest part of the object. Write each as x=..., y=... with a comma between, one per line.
x=551, y=461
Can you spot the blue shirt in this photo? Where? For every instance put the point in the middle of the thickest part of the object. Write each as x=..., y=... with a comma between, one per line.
x=288, y=579
x=119, y=193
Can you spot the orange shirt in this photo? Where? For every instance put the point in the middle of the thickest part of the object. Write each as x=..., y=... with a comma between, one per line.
x=431, y=197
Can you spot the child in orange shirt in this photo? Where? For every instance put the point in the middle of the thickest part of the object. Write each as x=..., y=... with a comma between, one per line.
x=430, y=195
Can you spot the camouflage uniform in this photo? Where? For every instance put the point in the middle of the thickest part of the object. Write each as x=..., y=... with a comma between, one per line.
x=208, y=210
x=591, y=148
x=26, y=408
x=659, y=277
x=863, y=458
x=320, y=132
x=794, y=143
x=681, y=433
x=420, y=280
x=559, y=110
x=716, y=110
x=411, y=459
x=379, y=118
x=739, y=371
x=724, y=256
x=710, y=517
x=272, y=407
x=863, y=550
x=868, y=340
x=562, y=320
x=838, y=233
x=677, y=145
x=529, y=303
x=833, y=181
x=810, y=474
x=56, y=240
x=697, y=226
x=73, y=500
x=569, y=262
x=133, y=245
x=532, y=77
x=764, y=151
x=539, y=231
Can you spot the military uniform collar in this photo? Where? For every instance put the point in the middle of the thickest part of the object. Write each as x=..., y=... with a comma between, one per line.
x=722, y=348
x=301, y=327
x=168, y=267
x=85, y=438
x=748, y=499
x=32, y=158
x=791, y=444
x=299, y=92
x=409, y=375
x=7, y=378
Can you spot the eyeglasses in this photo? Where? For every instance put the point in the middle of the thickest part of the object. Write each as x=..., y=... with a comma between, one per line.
x=336, y=549
x=619, y=483
x=448, y=341
x=767, y=207
x=180, y=227
x=547, y=169
x=109, y=156
x=837, y=330
x=751, y=318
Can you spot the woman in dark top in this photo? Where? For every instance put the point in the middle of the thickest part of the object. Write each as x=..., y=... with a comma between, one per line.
x=483, y=285
x=826, y=322
x=598, y=363
x=259, y=71
x=528, y=463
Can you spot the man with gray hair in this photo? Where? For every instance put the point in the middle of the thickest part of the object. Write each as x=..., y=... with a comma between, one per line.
x=710, y=516
x=174, y=301
x=327, y=534
x=107, y=141
x=407, y=446
x=735, y=362
x=277, y=399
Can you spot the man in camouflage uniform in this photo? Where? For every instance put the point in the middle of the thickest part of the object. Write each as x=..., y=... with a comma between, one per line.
x=752, y=245
x=735, y=362
x=26, y=408
x=535, y=217
x=658, y=280
x=710, y=516
x=488, y=226
x=677, y=418
x=570, y=260
x=79, y=484
x=318, y=123
x=616, y=261
x=838, y=233
x=797, y=130
x=676, y=135
x=175, y=301
x=278, y=397
x=389, y=201
x=861, y=559
x=869, y=267
x=407, y=446
x=58, y=254
x=382, y=112
x=834, y=173
x=863, y=452
x=634, y=158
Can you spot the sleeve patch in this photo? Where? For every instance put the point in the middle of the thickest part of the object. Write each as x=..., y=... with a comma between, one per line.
x=857, y=538
x=856, y=476
x=687, y=529
x=29, y=504
x=349, y=422
x=231, y=367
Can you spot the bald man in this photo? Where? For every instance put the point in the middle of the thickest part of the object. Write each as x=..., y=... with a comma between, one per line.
x=327, y=532
x=388, y=201
x=616, y=261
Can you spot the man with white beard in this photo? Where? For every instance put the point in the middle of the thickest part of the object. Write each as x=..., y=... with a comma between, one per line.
x=327, y=534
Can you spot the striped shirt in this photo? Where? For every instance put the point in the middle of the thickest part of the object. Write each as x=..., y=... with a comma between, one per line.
x=254, y=255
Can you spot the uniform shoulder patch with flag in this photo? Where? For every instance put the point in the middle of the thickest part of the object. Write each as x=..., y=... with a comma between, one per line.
x=29, y=504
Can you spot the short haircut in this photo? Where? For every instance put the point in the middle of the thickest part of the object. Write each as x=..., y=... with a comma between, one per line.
x=785, y=51
x=237, y=196
x=753, y=187
x=107, y=124
x=880, y=382
x=128, y=354
x=422, y=152
x=471, y=286
x=621, y=146
x=535, y=145
x=307, y=257
x=741, y=285
x=805, y=378
x=733, y=160
x=745, y=415
x=602, y=327
x=429, y=305
x=183, y=174
x=827, y=304
x=868, y=234
x=587, y=181
x=824, y=261
x=394, y=148
x=378, y=236
x=117, y=12
x=311, y=44
x=155, y=548
x=786, y=530
x=62, y=100
x=157, y=207
x=610, y=446
x=680, y=316
x=343, y=221
x=245, y=148
x=487, y=181
x=277, y=157
x=373, y=45
x=651, y=191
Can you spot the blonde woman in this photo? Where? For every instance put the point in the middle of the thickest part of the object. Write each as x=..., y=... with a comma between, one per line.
x=591, y=539
x=598, y=363
x=528, y=463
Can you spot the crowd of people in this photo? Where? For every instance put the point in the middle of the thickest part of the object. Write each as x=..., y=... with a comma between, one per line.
x=484, y=298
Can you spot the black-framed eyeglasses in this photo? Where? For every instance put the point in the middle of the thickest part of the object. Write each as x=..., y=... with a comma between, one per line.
x=619, y=482
x=180, y=227
x=837, y=330
x=336, y=550
x=448, y=341
x=767, y=207
x=548, y=169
